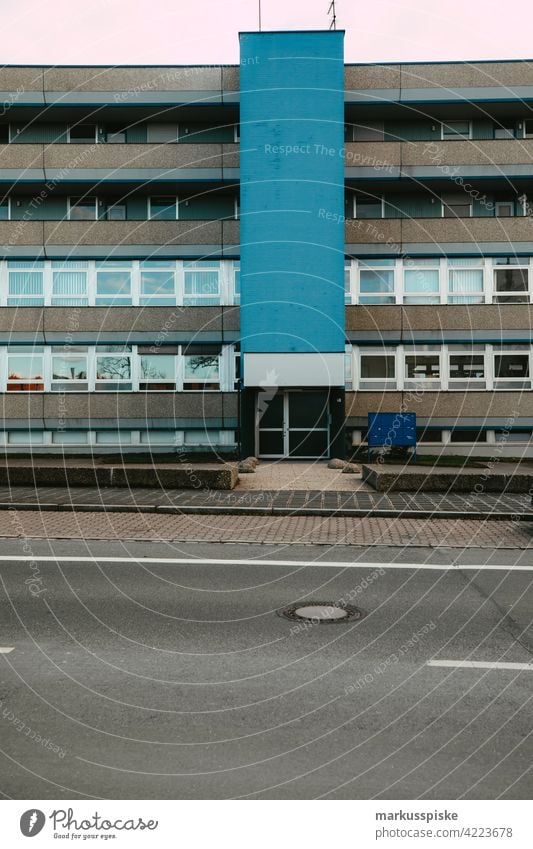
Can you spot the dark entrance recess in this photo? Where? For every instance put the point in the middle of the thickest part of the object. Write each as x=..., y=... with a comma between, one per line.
x=306, y=424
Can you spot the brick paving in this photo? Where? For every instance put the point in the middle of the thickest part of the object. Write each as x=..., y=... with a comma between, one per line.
x=271, y=502
x=330, y=531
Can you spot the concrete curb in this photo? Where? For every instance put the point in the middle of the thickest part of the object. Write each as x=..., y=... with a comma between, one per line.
x=187, y=510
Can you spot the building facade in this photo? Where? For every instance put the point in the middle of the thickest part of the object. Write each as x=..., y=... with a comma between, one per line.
x=255, y=257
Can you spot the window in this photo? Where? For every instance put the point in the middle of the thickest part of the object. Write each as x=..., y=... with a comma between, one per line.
x=466, y=368
x=158, y=283
x=69, y=284
x=4, y=210
x=463, y=435
x=82, y=209
x=113, y=368
x=528, y=129
x=201, y=367
x=465, y=281
x=456, y=206
x=511, y=283
x=157, y=371
x=113, y=283
x=368, y=131
x=504, y=130
x=158, y=437
x=115, y=135
x=504, y=209
x=511, y=367
x=200, y=437
x=368, y=207
x=163, y=208
x=25, y=370
x=376, y=281
x=69, y=369
x=116, y=212
x=422, y=368
x=201, y=283
x=25, y=437
x=456, y=130
x=377, y=370
x=70, y=437
x=421, y=282
x=428, y=434
x=82, y=133
x=113, y=437
x=161, y=133
x=348, y=281
x=25, y=284
x=512, y=435
x=236, y=282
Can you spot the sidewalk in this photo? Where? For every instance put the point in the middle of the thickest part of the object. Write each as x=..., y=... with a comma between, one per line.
x=269, y=502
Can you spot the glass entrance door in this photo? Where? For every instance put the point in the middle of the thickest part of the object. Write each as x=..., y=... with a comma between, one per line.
x=293, y=424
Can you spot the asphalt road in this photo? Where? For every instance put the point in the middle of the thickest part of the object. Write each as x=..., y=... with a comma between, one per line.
x=163, y=679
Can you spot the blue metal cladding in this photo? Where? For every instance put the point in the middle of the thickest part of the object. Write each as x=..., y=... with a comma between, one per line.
x=292, y=191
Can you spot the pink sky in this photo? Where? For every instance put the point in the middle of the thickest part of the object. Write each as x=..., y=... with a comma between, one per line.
x=205, y=31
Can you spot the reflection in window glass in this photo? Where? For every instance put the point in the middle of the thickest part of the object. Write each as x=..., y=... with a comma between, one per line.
x=157, y=371
x=25, y=373
x=113, y=372
x=82, y=209
x=511, y=285
x=201, y=371
x=69, y=373
x=113, y=288
x=376, y=287
x=157, y=288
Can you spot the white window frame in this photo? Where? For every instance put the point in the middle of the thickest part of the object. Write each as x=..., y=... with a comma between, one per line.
x=163, y=219
x=524, y=264
x=81, y=123
x=395, y=294
x=71, y=206
x=428, y=384
x=375, y=200
x=198, y=266
x=132, y=355
x=476, y=384
x=141, y=379
x=387, y=384
x=469, y=203
x=455, y=136
x=139, y=270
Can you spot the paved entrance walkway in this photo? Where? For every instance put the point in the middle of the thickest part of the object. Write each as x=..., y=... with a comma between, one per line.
x=310, y=475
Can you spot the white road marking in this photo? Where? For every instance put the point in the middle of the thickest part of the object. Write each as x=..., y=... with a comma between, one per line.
x=6, y=650
x=481, y=664
x=199, y=561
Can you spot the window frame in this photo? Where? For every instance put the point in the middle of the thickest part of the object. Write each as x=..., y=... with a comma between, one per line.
x=455, y=136
x=71, y=206
x=176, y=208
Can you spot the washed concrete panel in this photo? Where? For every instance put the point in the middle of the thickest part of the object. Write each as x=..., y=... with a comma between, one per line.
x=178, y=476
x=385, y=317
x=473, y=152
x=369, y=154
x=372, y=76
x=160, y=321
x=118, y=233
x=385, y=478
x=470, y=74
x=477, y=230
x=145, y=78
x=21, y=156
x=377, y=231
x=131, y=156
x=17, y=233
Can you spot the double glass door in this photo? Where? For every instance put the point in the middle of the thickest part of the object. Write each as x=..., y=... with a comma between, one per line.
x=293, y=424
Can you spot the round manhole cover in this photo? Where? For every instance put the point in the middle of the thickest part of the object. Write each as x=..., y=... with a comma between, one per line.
x=321, y=612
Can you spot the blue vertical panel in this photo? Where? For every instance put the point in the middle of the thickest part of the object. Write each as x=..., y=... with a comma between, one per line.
x=292, y=192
